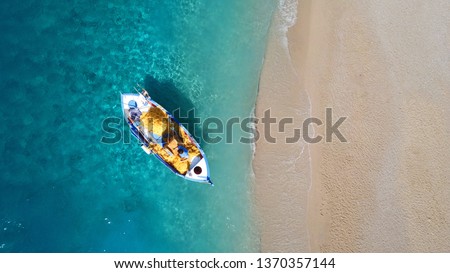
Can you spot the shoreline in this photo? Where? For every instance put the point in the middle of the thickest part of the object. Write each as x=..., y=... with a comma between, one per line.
x=386, y=189
x=281, y=205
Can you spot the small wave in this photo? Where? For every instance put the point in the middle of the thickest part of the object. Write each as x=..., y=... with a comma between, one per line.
x=288, y=17
x=254, y=129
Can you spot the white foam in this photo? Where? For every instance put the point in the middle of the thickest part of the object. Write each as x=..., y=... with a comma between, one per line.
x=253, y=127
x=288, y=17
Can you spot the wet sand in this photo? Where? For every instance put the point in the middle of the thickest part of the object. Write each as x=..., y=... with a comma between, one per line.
x=385, y=66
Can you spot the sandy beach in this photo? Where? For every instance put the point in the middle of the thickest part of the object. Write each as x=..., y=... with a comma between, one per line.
x=385, y=66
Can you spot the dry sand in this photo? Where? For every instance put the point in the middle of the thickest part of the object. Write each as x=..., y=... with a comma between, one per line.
x=386, y=66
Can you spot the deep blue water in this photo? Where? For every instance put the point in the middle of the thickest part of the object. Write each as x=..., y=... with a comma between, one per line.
x=62, y=66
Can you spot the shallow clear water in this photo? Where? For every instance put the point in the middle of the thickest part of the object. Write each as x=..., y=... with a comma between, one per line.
x=62, y=66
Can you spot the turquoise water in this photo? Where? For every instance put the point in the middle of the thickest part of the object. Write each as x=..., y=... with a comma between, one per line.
x=62, y=68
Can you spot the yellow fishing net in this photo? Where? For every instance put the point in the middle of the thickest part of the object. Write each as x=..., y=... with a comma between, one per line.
x=180, y=164
x=193, y=151
x=155, y=120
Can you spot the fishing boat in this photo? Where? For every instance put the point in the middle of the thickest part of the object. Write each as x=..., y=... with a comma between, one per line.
x=160, y=134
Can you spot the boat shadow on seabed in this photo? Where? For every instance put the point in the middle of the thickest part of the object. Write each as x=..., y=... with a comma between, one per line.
x=177, y=103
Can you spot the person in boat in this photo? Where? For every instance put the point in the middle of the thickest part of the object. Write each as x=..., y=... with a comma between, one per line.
x=135, y=113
